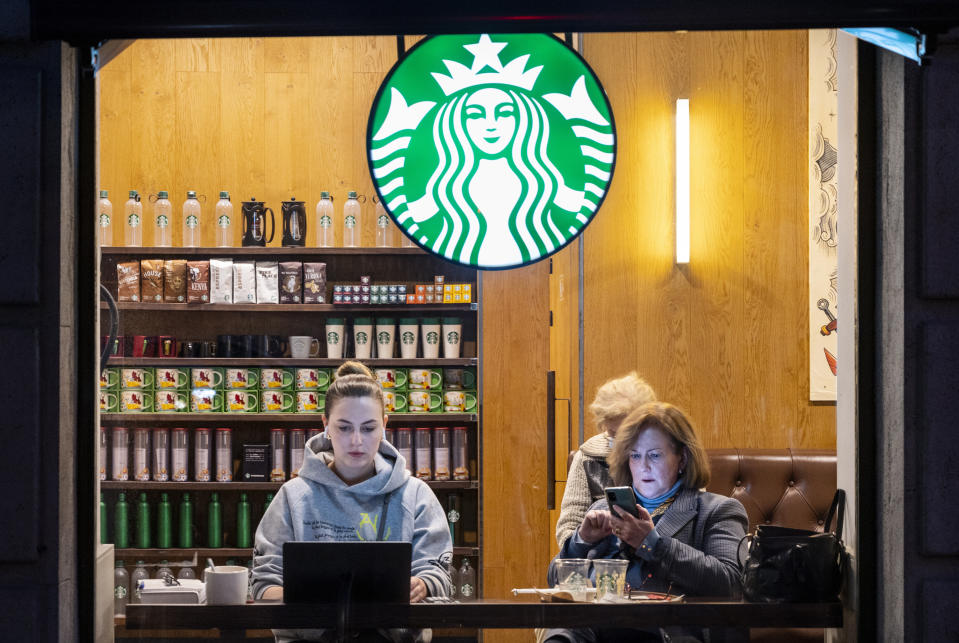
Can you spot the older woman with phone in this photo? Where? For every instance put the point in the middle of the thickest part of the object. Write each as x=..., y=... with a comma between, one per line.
x=677, y=538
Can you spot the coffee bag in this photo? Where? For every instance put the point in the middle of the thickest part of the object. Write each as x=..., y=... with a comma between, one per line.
x=291, y=282
x=221, y=281
x=174, y=281
x=128, y=281
x=151, y=280
x=244, y=282
x=314, y=283
x=267, y=282
x=198, y=281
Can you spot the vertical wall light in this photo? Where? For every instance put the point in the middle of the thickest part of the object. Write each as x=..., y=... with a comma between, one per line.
x=682, y=180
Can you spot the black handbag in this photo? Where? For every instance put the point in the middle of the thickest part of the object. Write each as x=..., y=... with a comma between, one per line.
x=796, y=565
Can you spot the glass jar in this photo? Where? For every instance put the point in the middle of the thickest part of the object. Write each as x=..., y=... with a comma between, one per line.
x=180, y=458
x=224, y=455
x=424, y=453
x=441, y=453
x=297, y=444
x=389, y=435
x=120, y=454
x=201, y=455
x=161, y=455
x=141, y=454
x=404, y=444
x=460, y=454
x=277, y=455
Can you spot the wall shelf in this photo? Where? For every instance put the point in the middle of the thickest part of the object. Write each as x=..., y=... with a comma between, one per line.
x=418, y=309
x=211, y=362
x=269, y=418
x=134, y=485
x=176, y=554
x=267, y=251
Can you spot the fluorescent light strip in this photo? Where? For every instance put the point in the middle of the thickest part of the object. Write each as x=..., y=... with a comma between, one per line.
x=682, y=180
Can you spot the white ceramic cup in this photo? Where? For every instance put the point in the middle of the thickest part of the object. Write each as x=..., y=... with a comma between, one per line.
x=363, y=337
x=385, y=337
x=334, y=338
x=452, y=337
x=409, y=338
x=430, y=327
x=303, y=346
x=226, y=585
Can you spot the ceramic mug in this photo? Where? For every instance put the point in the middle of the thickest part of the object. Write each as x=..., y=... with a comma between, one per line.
x=425, y=378
x=276, y=401
x=303, y=346
x=109, y=379
x=206, y=400
x=391, y=377
x=394, y=401
x=424, y=402
x=136, y=378
x=165, y=377
x=109, y=401
x=242, y=401
x=134, y=401
x=205, y=377
x=455, y=401
x=276, y=378
x=226, y=584
x=171, y=401
x=311, y=378
x=240, y=378
x=308, y=401
x=459, y=378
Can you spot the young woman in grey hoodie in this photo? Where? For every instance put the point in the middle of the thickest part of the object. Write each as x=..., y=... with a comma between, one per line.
x=350, y=480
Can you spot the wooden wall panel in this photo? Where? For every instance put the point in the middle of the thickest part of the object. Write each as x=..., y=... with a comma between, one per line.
x=723, y=336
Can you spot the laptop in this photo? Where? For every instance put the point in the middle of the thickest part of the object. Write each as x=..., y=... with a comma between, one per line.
x=319, y=572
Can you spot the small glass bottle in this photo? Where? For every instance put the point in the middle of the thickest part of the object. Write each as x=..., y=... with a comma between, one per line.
x=121, y=454
x=224, y=221
x=352, y=221
x=104, y=444
x=278, y=455
x=424, y=453
x=191, y=221
x=441, y=453
x=164, y=523
x=141, y=454
x=201, y=455
x=297, y=443
x=384, y=229
x=180, y=454
x=324, y=221
x=161, y=454
x=162, y=214
x=186, y=572
x=404, y=444
x=104, y=220
x=121, y=589
x=224, y=455
x=139, y=573
x=460, y=455
x=133, y=221
x=467, y=581
x=214, y=517
x=163, y=569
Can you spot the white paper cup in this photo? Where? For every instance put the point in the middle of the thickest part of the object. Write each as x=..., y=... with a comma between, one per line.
x=363, y=337
x=452, y=337
x=226, y=585
x=409, y=338
x=334, y=338
x=385, y=337
x=431, y=337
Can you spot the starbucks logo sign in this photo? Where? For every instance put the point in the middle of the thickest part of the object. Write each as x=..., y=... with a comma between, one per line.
x=453, y=337
x=384, y=337
x=362, y=337
x=432, y=337
x=333, y=337
x=408, y=338
x=492, y=151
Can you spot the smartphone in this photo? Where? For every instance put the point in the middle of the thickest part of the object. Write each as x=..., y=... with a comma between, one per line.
x=621, y=498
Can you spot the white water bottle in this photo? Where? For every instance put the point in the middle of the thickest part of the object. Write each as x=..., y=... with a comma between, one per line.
x=191, y=221
x=324, y=221
x=224, y=221
x=133, y=218
x=384, y=227
x=467, y=581
x=162, y=213
x=352, y=222
x=104, y=220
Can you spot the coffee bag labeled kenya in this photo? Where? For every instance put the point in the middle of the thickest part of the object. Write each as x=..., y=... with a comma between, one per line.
x=198, y=282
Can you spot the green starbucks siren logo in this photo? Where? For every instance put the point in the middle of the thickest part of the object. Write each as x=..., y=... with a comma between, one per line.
x=362, y=337
x=408, y=338
x=492, y=151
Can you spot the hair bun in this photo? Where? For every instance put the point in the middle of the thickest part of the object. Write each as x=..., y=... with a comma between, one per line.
x=354, y=368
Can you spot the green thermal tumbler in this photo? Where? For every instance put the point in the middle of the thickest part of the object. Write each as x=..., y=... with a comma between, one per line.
x=143, y=522
x=121, y=523
x=186, y=521
x=214, y=517
x=243, y=522
x=104, y=537
x=164, y=523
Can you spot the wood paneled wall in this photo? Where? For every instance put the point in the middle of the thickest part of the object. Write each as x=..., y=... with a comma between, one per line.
x=725, y=336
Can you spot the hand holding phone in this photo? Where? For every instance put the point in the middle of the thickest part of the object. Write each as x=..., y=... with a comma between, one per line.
x=621, y=498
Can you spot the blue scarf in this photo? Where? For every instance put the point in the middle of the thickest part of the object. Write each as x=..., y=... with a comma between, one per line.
x=650, y=504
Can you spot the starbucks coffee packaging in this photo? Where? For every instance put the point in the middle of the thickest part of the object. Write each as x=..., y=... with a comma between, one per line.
x=174, y=281
x=221, y=281
x=151, y=280
x=291, y=282
x=244, y=282
x=198, y=282
x=314, y=283
x=128, y=281
x=267, y=282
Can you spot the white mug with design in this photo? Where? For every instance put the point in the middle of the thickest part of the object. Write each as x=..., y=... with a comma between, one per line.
x=303, y=346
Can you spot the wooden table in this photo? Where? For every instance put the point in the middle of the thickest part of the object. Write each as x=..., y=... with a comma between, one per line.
x=489, y=613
